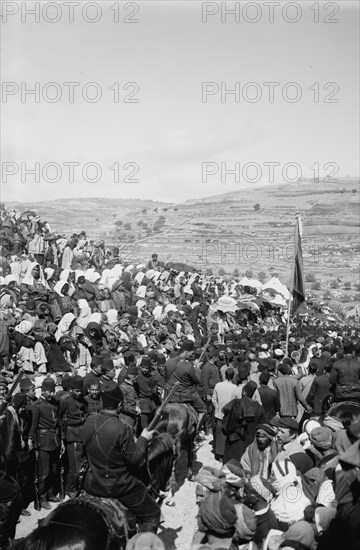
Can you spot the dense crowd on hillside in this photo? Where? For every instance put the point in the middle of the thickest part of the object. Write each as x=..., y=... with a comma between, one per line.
x=99, y=343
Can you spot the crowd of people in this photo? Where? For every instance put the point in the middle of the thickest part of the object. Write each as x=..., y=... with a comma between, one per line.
x=89, y=348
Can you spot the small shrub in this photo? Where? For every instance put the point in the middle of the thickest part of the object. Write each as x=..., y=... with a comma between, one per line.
x=310, y=278
x=316, y=285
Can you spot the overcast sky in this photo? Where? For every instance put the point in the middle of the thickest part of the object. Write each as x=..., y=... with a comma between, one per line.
x=171, y=131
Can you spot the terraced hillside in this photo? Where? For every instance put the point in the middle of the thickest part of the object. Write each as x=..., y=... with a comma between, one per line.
x=252, y=229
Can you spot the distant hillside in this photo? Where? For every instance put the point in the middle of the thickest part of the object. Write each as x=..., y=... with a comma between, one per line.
x=251, y=229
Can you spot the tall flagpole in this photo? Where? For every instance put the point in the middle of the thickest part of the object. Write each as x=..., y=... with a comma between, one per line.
x=289, y=313
x=291, y=287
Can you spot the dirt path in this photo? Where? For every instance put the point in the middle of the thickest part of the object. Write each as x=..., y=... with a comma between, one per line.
x=180, y=521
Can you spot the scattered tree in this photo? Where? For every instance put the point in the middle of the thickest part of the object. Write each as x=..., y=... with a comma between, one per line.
x=144, y=210
x=249, y=274
x=328, y=295
x=257, y=207
x=347, y=285
x=127, y=226
x=221, y=271
x=236, y=272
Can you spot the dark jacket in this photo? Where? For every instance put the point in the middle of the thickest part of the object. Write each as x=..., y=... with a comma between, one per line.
x=270, y=401
x=113, y=458
x=210, y=377
x=239, y=425
x=72, y=414
x=45, y=428
x=319, y=391
x=184, y=373
x=93, y=405
x=146, y=389
x=264, y=523
x=345, y=375
x=56, y=359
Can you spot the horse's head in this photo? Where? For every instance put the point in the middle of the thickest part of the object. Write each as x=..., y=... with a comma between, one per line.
x=72, y=525
x=161, y=454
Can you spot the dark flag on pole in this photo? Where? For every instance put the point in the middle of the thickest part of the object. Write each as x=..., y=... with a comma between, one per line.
x=298, y=291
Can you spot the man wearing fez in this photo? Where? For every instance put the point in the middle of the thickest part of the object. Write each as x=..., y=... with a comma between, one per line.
x=23, y=403
x=130, y=410
x=45, y=434
x=113, y=457
x=73, y=409
x=210, y=377
x=146, y=388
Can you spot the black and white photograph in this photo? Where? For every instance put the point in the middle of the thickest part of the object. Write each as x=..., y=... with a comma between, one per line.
x=179, y=275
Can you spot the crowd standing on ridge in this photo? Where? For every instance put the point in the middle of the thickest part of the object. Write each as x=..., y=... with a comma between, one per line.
x=89, y=348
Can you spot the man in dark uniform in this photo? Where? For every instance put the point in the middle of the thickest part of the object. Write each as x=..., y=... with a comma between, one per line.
x=113, y=458
x=73, y=410
x=180, y=369
x=107, y=371
x=23, y=403
x=210, y=377
x=46, y=436
x=146, y=389
x=130, y=410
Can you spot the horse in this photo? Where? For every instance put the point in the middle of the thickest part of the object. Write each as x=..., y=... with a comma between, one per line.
x=101, y=523
x=179, y=420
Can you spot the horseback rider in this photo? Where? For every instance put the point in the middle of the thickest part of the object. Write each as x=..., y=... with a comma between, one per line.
x=180, y=369
x=113, y=458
